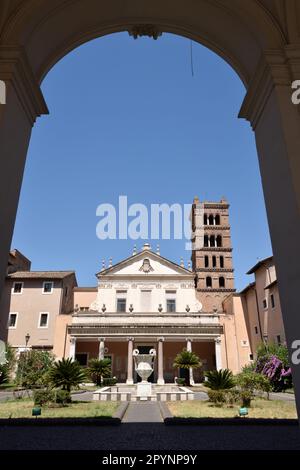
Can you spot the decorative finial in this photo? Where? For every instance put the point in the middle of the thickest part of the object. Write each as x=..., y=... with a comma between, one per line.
x=103, y=265
x=181, y=262
x=110, y=262
x=189, y=266
x=134, y=250
x=131, y=308
x=157, y=249
x=160, y=308
x=187, y=308
x=103, y=308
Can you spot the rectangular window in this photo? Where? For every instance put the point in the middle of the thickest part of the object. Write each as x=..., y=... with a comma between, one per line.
x=43, y=321
x=47, y=287
x=278, y=339
x=17, y=288
x=265, y=305
x=171, y=305
x=121, y=305
x=272, y=301
x=256, y=330
x=12, y=320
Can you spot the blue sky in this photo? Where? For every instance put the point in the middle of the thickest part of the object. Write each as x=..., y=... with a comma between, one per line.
x=128, y=118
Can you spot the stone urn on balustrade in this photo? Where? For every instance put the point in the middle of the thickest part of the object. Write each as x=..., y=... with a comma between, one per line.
x=144, y=366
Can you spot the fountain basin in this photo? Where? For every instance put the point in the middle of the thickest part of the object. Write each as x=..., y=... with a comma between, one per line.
x=168, y=392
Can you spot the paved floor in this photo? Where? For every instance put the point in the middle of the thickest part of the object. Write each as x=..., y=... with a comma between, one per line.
x=141, y=412
x=150, y=436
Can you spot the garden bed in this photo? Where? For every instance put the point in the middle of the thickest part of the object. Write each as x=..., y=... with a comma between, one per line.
x=260, y=409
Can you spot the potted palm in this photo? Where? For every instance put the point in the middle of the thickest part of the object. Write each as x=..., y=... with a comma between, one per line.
x=186, y=360
x=99, y=369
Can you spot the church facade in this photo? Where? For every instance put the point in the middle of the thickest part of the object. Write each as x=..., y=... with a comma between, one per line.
x=147, y=301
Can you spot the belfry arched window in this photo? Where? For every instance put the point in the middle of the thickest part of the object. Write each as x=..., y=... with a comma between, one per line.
x=221, y=282
x=208, y=281
x=219, y=240
x=206, y=261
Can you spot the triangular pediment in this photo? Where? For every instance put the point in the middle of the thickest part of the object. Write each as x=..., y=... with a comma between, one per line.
x=146, y=263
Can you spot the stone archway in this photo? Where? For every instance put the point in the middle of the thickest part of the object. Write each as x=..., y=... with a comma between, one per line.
x=259, y=38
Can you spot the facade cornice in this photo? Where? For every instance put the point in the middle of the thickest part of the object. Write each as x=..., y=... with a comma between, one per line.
x=146, y=277
x=16, y=72
x=214, y=248
x=210, y=289
x=214, y=270
x=164, y=315
x=121, y=330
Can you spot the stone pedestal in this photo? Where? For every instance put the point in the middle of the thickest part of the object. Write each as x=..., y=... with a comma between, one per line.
x=144, y=389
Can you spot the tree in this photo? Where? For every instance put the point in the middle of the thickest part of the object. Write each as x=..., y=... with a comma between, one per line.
x=7, y=368
x=66, y=374
x=33, y=367
x=219, y=379
x=187, y=360
x=251, y=381
x=98, y=369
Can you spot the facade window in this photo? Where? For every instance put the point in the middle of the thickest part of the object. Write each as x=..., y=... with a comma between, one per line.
x=121, y=305
x=211, y=219
x=12, y=320
x=256, y=330
x=217, y=219
x=251, y=357
x=43, y=321
x=265, y=305
x=205, y=219
x=206, y=261
x=219, y=240
x=208, y=282
x=47, y=287
x=221, y=282
x=214, y=261
x=171, y=305
x=221, y=261
x=278, y=339
x=17, y=288
x=272, y=300
x=205, y=240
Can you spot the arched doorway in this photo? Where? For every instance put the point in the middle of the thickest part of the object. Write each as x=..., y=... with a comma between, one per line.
x=259, y=39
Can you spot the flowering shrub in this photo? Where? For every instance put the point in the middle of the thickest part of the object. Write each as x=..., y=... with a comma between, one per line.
x=272, y=367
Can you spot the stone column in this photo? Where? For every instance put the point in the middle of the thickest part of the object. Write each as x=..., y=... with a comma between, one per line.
x=24, y=102
x=189, y=348
x=129, y=380
x=72, y=348
x=276, y=121
x=101, y=348
x=218, y=353
x=160, y=377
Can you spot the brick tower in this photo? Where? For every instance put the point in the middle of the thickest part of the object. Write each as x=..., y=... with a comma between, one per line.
x=212, y=256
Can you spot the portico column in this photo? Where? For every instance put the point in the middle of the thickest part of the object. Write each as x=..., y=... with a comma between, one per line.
x=129, y=380
x=72, y=348
x=218, y=353
x=101, y=348
x=189, y=348
x=160, y=377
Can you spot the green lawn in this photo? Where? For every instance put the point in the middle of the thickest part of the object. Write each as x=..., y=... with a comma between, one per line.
x=23, y=408
x=260, y=408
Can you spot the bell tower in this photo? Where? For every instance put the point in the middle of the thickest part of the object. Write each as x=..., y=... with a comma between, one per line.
x=212, y=253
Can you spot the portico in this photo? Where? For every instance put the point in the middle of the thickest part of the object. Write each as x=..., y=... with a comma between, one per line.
x=119, y=348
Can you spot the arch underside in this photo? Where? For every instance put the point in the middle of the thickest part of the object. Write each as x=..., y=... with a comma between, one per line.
x=237, y=31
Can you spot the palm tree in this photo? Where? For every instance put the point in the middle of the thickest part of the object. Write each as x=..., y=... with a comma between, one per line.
x=66, y=374
x=187, y=360
x=219, y=379
x=99, y=368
